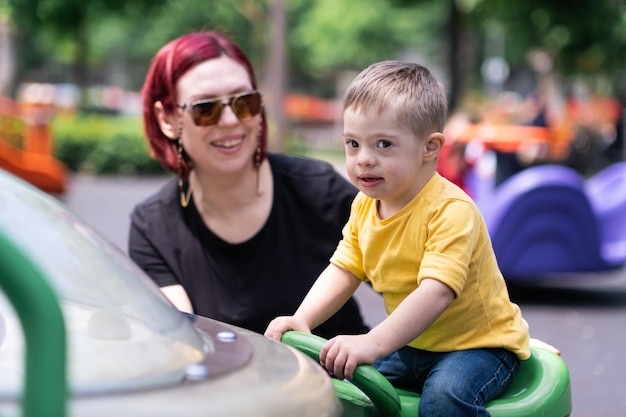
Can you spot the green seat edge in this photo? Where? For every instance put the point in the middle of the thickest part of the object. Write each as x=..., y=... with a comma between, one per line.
x=382, y=394
x=541, y=388
x=547, y=395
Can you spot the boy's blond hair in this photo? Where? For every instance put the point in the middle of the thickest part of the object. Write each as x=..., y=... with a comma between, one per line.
x=407, y=88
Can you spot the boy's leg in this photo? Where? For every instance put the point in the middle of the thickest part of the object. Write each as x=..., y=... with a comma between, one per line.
x=408, y=367
x=462, y=382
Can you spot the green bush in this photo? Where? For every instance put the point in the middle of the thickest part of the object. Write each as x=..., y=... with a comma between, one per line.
x=103, y=144
x=109, y=144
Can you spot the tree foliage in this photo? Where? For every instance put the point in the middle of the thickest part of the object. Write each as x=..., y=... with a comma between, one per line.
x=585, y=36
x=327, y=35
x=324, y=36
x=59, y=31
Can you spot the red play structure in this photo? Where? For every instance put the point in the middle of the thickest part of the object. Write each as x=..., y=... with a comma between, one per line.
x=26, y=145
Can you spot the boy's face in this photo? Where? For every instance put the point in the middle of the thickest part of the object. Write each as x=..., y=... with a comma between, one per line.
x=385, y=159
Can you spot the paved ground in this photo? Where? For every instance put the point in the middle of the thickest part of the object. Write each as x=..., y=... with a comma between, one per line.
x=585, y=317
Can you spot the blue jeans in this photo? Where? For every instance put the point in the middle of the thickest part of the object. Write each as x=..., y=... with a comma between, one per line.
x=451, y=383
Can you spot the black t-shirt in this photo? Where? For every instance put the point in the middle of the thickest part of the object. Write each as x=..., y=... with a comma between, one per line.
x=250, y=283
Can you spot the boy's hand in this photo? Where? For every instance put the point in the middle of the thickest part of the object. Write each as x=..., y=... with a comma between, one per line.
x=282, y=324
x=341, y=354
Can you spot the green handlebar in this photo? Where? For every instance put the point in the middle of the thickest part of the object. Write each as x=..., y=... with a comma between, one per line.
x=42, y=322
x=371, y=382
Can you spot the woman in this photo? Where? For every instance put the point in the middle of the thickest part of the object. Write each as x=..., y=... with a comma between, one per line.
x=240, y=235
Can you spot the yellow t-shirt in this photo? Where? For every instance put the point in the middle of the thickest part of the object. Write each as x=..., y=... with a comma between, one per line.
x=440, y=234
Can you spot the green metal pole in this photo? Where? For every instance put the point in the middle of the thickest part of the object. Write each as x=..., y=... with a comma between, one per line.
x=45, y=385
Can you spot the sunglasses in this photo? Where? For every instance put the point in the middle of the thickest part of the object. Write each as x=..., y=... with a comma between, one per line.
x=208, y=111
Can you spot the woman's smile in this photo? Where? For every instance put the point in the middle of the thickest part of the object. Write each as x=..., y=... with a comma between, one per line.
x=228, y=143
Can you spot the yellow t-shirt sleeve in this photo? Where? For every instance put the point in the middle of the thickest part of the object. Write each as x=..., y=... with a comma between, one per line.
x=348, y=255
x=453, y=232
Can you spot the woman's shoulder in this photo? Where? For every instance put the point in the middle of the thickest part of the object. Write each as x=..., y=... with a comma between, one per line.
x=313, y=183
x=164, y=199
x=310, y=177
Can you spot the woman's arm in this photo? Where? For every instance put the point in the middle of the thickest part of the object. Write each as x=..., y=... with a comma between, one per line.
x=146, y=253
x=178, y=296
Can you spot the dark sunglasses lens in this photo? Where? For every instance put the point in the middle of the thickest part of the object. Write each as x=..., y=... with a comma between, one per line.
x=247, y=105
x=207, y=113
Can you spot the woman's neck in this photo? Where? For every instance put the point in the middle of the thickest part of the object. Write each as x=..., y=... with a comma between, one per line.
x=234, y=207
x=235, y=188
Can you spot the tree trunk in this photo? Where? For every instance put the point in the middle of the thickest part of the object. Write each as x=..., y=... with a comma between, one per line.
x=276, y=75
x=81, y=69
x=460, y=55
x=7, y=60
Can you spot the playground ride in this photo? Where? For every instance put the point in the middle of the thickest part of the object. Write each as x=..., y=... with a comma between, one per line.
x=540, y=389
x=26, y=145
x=548, y=220
x=100, y=339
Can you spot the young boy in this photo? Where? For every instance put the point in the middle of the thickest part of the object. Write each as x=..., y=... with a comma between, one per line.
x=451, y=331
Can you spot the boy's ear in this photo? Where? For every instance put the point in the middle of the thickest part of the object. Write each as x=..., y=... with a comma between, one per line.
x=167, y=122
x=433, y=145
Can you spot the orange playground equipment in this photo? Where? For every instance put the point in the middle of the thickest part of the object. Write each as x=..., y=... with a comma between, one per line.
x=26, y=145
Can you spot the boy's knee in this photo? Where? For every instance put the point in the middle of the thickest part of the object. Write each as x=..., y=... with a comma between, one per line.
x=445, y=389
x=446, y=397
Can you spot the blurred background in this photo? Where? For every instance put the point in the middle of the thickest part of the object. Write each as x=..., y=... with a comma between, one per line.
x=78, y=66
x=71, y=72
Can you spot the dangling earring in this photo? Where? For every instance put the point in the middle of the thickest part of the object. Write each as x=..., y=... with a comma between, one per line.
x=184, y=198
x=257, y=164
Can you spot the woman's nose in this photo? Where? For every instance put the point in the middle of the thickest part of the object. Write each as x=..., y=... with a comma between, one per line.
x=228, y=116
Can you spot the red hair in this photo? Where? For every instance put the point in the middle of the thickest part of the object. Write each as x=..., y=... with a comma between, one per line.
x=170, y=63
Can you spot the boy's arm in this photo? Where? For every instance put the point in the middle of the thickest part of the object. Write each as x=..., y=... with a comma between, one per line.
x=330, y=291
x=410, y=319
x=416, y=313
